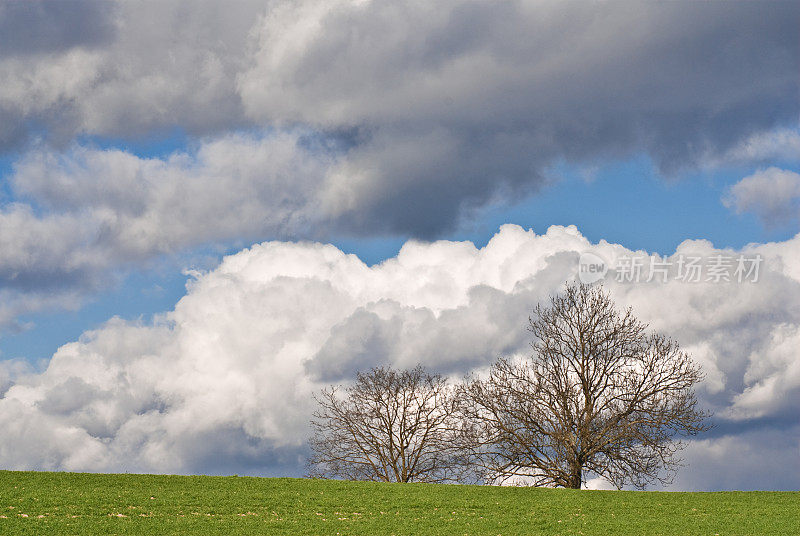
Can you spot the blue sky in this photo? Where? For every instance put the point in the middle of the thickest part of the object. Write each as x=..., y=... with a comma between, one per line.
x=146, y=150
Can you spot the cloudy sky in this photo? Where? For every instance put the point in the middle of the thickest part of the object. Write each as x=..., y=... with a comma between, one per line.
x=210, y=210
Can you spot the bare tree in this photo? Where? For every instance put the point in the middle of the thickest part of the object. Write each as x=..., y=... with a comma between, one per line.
x=599, y=395
x=391, y=426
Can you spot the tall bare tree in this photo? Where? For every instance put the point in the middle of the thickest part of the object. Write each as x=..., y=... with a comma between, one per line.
x=599, y=395
x=391, y=426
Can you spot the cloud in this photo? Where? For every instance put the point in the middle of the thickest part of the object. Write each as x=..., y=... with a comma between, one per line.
x=236, y=186
x=734, y=462
x=36, y=27
x=223, y=382
x=458, y=104
x=48, y=262
x=444, y=108
x=360, y=118
x=782, y=145
x=318, y=117
x=772, y=194
x=11, y=370
x=86, y=214
x=122, y=68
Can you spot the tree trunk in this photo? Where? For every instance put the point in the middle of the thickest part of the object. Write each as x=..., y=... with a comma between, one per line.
x=575, y=477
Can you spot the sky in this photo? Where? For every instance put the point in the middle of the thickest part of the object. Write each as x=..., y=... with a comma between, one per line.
x=209, y=211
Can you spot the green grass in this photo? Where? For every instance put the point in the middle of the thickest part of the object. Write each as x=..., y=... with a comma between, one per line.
x=75, y=503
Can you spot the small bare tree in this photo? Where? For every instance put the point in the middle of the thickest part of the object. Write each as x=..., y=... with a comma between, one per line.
x=391, y=426
x=599, y=395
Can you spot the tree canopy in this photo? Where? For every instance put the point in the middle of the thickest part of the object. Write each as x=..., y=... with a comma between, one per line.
x=599, y=394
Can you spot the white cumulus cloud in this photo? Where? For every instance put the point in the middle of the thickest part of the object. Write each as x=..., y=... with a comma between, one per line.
x=772, y=194
x=782, y=144
x=223, y=382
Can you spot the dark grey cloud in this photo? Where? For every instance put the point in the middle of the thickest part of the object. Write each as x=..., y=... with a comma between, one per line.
x=452, y=106
x=121, y=69
x=470, y=100
x=232, y=451
x=760, y=459
x=31, y=32
x=50, y=26
x=509, y=85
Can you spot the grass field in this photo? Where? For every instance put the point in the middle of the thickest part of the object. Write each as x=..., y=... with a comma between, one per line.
x=86, y=504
